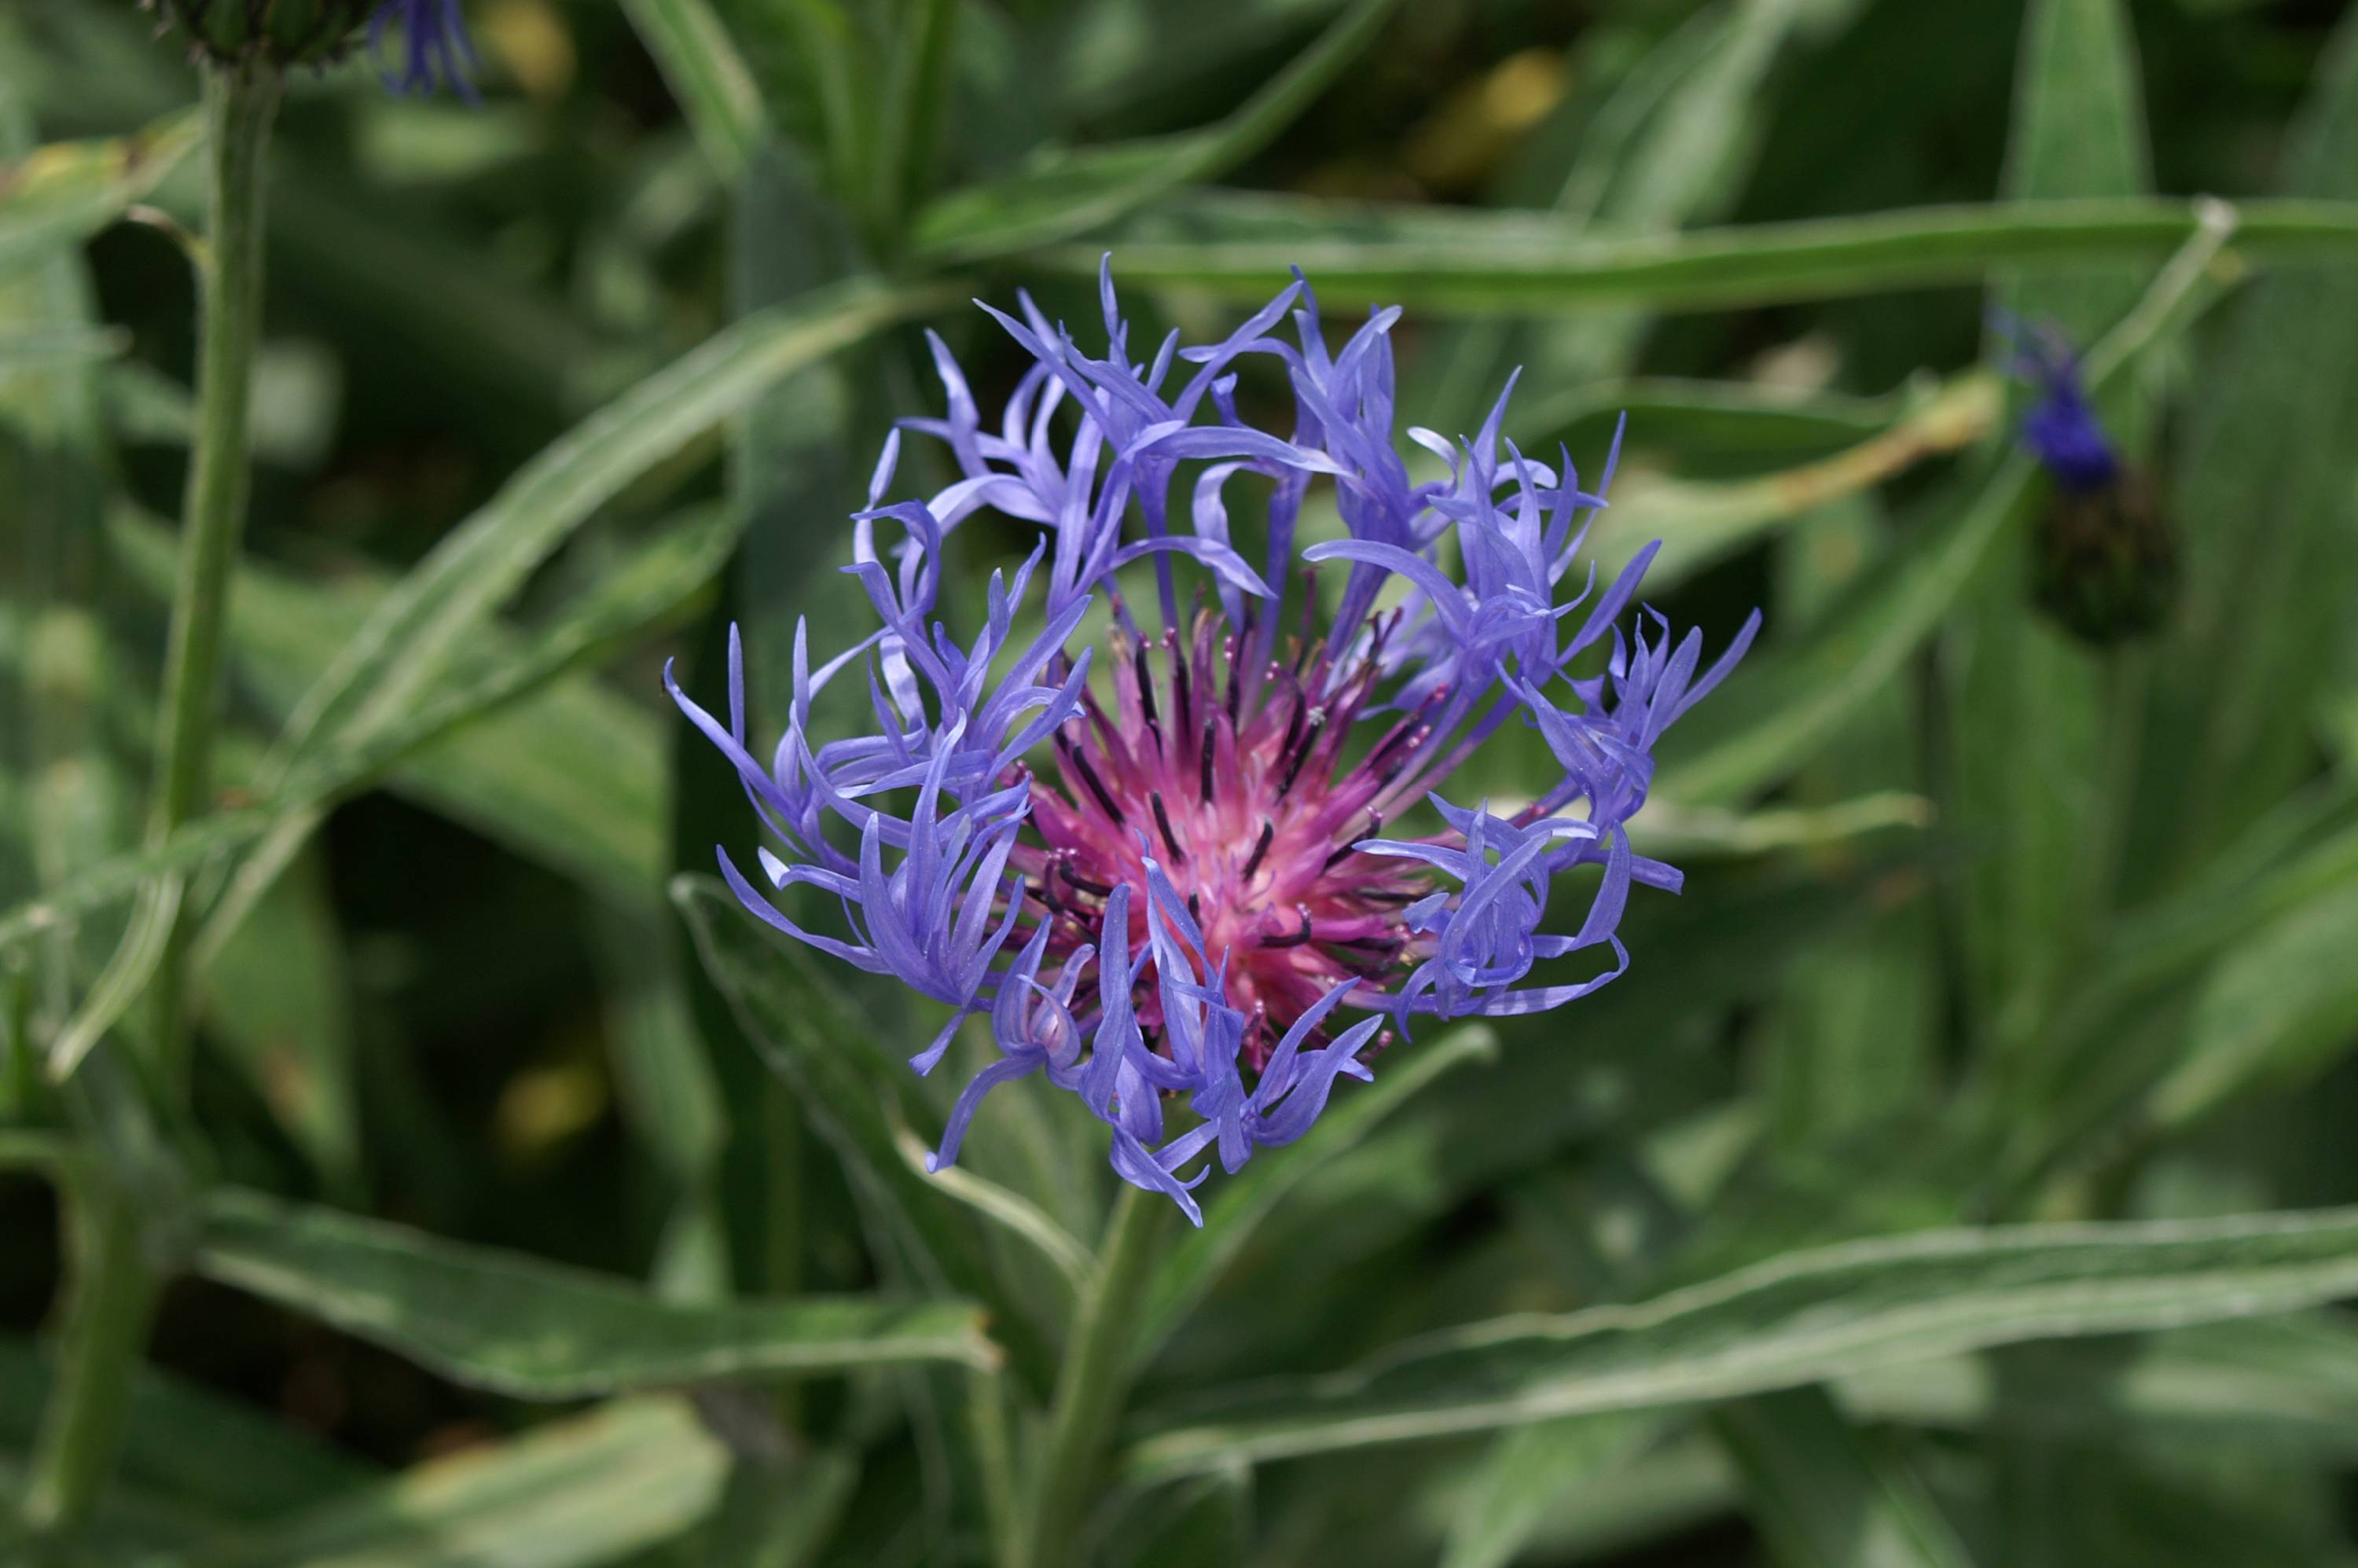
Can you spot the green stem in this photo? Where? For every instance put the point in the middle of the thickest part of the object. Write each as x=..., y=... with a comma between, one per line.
x=238, y=104
x=988, y=1431
x=1096, y=1379
x=107, y=1312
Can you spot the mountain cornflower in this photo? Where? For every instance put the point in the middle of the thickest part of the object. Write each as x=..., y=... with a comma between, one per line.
x=2104, y=564
x=1159, y=865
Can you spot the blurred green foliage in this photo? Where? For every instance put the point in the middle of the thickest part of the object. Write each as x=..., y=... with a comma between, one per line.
x=531, y=1208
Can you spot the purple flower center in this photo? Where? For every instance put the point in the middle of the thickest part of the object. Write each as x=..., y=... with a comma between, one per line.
x=1243, y=787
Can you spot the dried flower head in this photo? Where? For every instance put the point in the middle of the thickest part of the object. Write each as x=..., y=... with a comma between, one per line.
x=1160, y=865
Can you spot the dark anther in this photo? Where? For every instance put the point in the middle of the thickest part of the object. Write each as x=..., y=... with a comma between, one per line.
x=1298, y=938
x=1204, y=766
x=1162, y=821
x=1145, y=681
x=1101, y=890
x=1309, y=744
x=1097, y=788
x=1375, y=825
x=1260, y=847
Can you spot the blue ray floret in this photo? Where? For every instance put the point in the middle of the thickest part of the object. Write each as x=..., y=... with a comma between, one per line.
x=2060, y=428
x=435, y=48
x=1163, y=875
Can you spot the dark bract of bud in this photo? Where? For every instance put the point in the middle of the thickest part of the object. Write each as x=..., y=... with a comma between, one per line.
x=2105, y=566
x=282, y=32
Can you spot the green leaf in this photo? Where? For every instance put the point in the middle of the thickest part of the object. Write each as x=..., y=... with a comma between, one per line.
x=1528, y=1471
x=1066, y=194
x=1478, y=263
x=1793, y=697
x=2083, y=1080
x=1700, y=524
x=277, y=997
x=60, y=194
x=1110, y=54
x=1685, y=834
x=1196, y=1264
x=663, y=1080
x=576, y=778
x=408, y=640
x=2263, y=498
x=2278, y=1386
x=914, y=101
x=2035, y=712
x=1205, y=1519
x=1633, y=1063
x=190, y=1446
x=1666, y=147
x=1736, y=417
x=593, y=1489
x=1022, y=1218
x=376, y=256
x=74, y=798
x=813, y=1040
x=2280, y=1008
x=1824, y=1496
x=45, y=347
x=707, y=75
x=1797, y=1319
x=535, y=1330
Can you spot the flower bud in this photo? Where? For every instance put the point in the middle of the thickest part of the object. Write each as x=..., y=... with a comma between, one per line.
x=2105, y=567
x=281, y=32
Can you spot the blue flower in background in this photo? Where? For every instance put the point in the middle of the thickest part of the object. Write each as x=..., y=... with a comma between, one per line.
x=1168, y=887
x=2103, y=564
x=2060, y=429
x=436, y=50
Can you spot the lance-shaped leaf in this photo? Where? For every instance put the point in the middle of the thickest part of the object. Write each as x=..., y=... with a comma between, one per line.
x=59, y=194
x=1069, y=193
x=817, y=1042
x=1797, y=1319
x=708, y=74
x=594, y=1489
x=1478, y=263
x=535, y=1330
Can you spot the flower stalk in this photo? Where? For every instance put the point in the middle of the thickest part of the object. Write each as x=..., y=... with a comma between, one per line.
x=112, y=1212
x=110, y=1305
x=240, y=101
x=1095, y=1383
